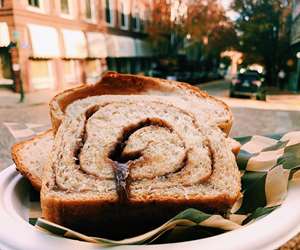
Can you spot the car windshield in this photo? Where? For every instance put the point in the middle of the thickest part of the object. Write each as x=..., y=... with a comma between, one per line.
x=250, y=77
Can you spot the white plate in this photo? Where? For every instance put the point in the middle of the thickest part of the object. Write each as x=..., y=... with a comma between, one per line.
x=270, y=232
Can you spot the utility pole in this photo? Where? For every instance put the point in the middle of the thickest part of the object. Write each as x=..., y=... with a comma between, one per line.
x=14, y=55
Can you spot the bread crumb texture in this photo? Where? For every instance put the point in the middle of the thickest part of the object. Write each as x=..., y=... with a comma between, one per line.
x=140, y=148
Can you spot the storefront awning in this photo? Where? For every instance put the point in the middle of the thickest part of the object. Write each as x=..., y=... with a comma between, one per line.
x=74, y=44
x=96, y=45
x=44, y=41
x=120, y=46
x=4, y=35
x=143, y=48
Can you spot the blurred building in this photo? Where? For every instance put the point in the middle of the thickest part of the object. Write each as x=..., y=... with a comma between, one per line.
x=52, y=44
x=295, y=43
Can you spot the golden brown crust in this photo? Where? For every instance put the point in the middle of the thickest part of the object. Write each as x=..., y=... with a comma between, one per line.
x=114, y=83
x=235, y=146
x=20, y=166
x=119, y=221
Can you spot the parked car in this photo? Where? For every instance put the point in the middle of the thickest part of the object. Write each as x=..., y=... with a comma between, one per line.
x=249, y=83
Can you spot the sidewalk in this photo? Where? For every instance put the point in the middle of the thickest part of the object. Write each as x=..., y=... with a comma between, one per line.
x=280, y=103
x=275, y=100
x=10, y=99
x=215, y=84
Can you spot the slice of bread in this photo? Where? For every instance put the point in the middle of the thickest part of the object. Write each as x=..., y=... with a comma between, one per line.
x=32, y=155
x=215, y=111
x=136, y=160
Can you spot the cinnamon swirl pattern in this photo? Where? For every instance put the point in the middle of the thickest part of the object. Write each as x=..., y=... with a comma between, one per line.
x=140, y=148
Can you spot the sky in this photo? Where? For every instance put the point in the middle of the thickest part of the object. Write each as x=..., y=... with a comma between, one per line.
x=226, y=3
x=231, y=14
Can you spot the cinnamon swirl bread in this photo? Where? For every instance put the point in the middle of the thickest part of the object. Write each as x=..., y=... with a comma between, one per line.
x=32, y=155
x=30, y=162
x=134, y=161
x=129, y=153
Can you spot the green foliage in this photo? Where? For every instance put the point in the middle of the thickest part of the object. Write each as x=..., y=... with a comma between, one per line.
x=264, y=27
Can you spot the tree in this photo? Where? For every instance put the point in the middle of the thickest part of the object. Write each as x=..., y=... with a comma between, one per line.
x=160, y=25
x=263, y=27
x=176, y=23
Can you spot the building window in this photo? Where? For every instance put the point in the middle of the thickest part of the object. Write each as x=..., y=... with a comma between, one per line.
x=93, y=70
x=34, y=3
x=135, y=20
x=41, y=74
x=143, y=17
x=5, y=68
x=142, y=25
x=37, y=6
x=112, y=64
x=64, y=7
x=123, y=14
x=67, y=9
x=88, y=9
x=109, y=12
x=71, y=71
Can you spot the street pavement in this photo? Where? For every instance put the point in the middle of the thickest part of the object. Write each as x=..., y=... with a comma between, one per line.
x=279, y=114
x=28, y=114
x=34, y=109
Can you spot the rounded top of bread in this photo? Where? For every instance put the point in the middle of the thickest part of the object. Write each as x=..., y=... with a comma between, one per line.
x=113, y=83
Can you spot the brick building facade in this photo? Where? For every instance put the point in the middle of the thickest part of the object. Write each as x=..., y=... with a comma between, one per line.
x=53, y=44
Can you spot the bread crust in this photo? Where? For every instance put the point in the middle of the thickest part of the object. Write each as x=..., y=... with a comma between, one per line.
x=20, y=166
x=114, y=83
x=235, y=146
x=119, y=221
